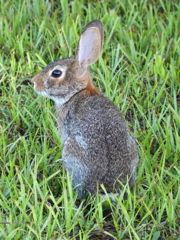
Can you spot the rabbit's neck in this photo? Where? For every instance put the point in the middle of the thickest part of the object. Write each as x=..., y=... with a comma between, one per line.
x=66, y=113
x=62, y=112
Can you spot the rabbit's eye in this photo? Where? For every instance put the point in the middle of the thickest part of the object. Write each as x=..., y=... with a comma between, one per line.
x=56, y=73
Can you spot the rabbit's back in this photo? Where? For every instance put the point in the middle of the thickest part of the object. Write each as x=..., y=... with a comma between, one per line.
x=96, y=138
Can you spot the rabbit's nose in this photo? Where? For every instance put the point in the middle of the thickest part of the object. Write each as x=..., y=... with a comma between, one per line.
x=35, y=84
x=34, y=81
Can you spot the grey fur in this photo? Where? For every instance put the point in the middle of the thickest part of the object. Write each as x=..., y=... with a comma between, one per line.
x=98, y=148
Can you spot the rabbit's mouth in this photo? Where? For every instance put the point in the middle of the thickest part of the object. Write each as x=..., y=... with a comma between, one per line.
x=57, y=100
x=42, y=93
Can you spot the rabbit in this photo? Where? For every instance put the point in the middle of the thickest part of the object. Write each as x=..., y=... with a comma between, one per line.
x=97, y=146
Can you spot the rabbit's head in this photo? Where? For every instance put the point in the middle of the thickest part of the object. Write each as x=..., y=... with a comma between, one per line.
x=63, y=78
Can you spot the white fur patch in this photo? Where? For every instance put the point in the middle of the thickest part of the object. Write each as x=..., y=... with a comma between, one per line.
x=58, y=101
x=42, y=93
x=76, y=169
x=80, y=140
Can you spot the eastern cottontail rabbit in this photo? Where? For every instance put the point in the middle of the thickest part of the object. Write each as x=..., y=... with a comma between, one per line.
x=98, y=148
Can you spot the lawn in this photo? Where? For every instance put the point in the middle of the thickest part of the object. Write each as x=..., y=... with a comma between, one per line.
x=139, y=70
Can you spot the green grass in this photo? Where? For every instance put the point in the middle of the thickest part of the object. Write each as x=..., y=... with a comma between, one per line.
x=138, y=70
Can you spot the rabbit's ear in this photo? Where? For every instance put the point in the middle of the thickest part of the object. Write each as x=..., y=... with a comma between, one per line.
x=90, y=45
